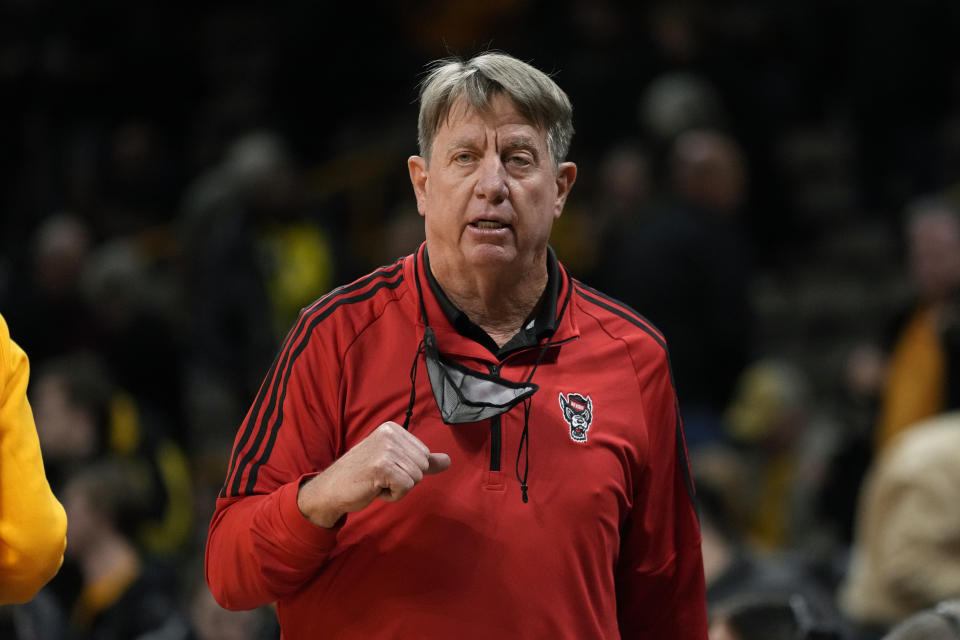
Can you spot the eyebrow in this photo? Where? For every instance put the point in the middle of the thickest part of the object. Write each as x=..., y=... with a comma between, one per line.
x=514, y=143
x=464, y=142
x=521, y=142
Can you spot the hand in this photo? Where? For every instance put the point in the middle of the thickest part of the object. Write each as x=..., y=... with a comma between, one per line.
x=387, y=464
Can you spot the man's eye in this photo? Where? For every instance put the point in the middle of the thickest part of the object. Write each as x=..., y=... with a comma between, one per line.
x=519, y=161
x=463, y=157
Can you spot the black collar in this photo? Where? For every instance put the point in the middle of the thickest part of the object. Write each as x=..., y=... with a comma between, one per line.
x=540, y=326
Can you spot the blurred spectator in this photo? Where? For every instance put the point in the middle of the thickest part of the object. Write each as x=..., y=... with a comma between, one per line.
x=210, y=621
x=765, y=617
x=624, y=196
x=924, y=371
x=32, y=523
x=685, y=266
x=732, y=567
x=908, y=527
x=678, y=102
x=83, y=417
x=122, y=594
x=138, y=334
x=784, y=445
x=941, y=622
x=626, y=181
x=252, y=257
x=138, y=187
x=858, y=400
x=45, y=305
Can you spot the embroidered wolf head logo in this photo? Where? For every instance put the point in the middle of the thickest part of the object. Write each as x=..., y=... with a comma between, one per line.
x=578, y=412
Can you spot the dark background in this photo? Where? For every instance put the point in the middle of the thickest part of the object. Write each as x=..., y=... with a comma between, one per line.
x=119, y=118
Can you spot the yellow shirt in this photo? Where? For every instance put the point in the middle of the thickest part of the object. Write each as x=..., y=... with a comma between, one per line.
x=916, y=379
x=33, y=525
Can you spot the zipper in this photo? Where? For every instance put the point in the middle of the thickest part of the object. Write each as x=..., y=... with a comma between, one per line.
x=496, y=432
x=496, y=435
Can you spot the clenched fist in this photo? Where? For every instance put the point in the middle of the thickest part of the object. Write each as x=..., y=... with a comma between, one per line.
x=387, y=464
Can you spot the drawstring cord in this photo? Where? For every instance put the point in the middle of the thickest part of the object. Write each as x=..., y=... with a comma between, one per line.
x=524, y=446
x=524, y=439
x=413, y=384
x=525, y=435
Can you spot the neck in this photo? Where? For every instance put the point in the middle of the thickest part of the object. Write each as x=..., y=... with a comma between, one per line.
x=497, y=301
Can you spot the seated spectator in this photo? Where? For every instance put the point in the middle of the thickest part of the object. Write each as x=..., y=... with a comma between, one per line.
x=83, y=417
x=908, y=528
x=210, y=621
x=923, y=379
x=122, y=593
x=770, y=618
x=687, y=259
x=734, y=568
x=783, y=440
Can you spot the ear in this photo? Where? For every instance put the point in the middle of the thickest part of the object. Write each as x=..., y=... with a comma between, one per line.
x=418, y=178
x=566, y=176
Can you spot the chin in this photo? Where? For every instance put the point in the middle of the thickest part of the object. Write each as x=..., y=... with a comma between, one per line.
x=490, y=255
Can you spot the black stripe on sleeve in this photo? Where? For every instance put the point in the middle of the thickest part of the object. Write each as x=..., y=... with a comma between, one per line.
x=301, y=345
x=587, y=289
x=282, y=358
x=636, y=320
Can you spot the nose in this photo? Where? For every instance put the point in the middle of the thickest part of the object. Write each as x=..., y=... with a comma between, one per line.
x=492, y=181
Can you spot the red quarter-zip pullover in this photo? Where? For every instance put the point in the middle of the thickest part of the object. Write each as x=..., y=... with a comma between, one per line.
x=608, y=545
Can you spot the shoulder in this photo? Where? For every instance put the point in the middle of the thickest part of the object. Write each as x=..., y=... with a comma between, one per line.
x=351, y=308
x=618, y=320
x=603, y=318
x=925, y=450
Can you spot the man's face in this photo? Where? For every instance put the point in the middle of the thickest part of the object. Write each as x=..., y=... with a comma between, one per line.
x=489, y=194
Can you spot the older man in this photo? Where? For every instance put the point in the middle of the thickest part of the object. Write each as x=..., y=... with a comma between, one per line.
x=468, y=443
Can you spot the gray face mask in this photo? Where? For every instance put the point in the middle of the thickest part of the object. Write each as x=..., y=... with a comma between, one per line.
x=464, y=395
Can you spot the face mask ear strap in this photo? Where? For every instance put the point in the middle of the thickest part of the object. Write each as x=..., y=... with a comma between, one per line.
x=427, y=334
x=543, y=350
x=413, y=380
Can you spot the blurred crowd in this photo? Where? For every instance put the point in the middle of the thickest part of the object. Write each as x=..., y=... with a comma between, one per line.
x=776, y=186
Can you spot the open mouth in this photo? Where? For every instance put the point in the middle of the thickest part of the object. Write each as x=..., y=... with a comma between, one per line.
x=488, y=224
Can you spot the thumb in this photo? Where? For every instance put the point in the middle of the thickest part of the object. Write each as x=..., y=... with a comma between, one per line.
x=438, y=462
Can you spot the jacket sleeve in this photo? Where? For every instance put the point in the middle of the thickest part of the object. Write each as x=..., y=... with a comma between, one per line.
x=33, y=525
x=660, y=582
x=260, y=546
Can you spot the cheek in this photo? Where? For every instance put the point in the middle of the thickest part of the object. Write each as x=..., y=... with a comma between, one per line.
x=539, y=202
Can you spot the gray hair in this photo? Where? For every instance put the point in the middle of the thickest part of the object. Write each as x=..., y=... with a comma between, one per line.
x=533, y=93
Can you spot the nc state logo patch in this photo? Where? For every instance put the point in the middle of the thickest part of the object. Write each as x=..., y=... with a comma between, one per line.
x=578, y=412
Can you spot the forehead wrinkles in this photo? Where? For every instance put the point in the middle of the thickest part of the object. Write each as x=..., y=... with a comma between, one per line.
x=498, y=107
x=466, y=126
